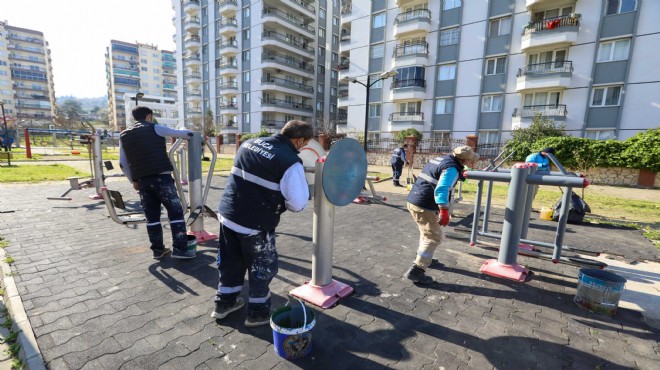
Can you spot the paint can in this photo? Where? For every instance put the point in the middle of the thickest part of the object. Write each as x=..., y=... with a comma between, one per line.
x=599, y=291
x=292, y=330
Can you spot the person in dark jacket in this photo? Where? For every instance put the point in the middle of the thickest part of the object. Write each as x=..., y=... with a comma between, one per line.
x=397, y=161
x=143, y=159
x=267, y=179
x=428, y=204
x=540, y=158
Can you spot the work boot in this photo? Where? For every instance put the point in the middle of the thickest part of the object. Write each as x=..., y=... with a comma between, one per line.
x=223, y=309
x=416, y=275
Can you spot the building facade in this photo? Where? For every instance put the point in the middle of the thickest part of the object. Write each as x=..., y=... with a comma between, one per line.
x=137, y=68
x=487, y=67
x=27, y=89
x=257, y=64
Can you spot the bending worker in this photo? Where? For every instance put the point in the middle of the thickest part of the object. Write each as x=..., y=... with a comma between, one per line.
x=397, y=161
x=428, y=204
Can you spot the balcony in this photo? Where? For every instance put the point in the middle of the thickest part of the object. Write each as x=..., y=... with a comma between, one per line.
x=344, y=64
x=229, y=127
x=194, y=77
x=342, y=95
x=227, y=7
x=191, y=6
x=410, y=54
x=169, y=86
x=414, y=21
x=523, y=117
x=290, y=105
x=290, y=64
x=228, y=67
x=228, y=107
x=345, y=36
x=545, y=75
x=272, y=124
x=191, y=42
x=228, y=47
x=553, y=32
x=346, y=8
x=193, y=95
x=298, y=45
x=408, y=118
x=191, y=23
x=286, y=20
x=228, y=27
x=304, y=7
x=194, y=112
x=342, y=118
x=295, y=87
x=533, y=4
x=408, y=89
x=192, y=60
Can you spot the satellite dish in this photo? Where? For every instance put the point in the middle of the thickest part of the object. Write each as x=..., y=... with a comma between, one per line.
x=344, y=172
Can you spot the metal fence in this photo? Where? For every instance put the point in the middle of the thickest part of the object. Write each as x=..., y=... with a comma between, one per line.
x=435, y=146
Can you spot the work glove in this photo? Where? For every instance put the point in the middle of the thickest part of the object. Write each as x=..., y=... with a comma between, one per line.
x=444, y=217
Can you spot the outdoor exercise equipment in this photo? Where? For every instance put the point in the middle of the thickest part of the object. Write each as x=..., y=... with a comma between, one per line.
x=197, y=191
x=522, y=179
x=113, y=199
x=370, y=196
x=338, y=179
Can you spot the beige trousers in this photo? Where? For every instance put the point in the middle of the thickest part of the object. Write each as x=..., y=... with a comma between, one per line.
x=430, y=234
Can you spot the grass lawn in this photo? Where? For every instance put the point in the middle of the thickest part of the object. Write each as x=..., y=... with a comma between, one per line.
x=30, y=173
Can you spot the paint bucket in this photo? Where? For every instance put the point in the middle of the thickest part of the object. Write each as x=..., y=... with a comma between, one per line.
x=192, y=243
x=546, y=213
x=599, y=291
x=292, y=330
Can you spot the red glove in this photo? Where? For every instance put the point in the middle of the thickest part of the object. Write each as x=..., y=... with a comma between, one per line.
x=444, y=217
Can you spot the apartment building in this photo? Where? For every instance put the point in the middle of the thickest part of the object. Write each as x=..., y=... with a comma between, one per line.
x=133, y=68
x=487, y=67
x=257, y=64
x=27, y=89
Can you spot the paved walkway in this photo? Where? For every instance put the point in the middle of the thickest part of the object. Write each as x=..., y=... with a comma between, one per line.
x=94, y=299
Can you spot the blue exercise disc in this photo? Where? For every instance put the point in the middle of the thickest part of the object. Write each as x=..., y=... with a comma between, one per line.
x=344, y=172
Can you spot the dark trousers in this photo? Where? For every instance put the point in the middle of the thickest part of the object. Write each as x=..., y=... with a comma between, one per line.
x=397, y=169
x=255, y=254
x=160, y=190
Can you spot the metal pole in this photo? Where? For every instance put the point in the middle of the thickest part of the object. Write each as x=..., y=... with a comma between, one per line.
x=513, y=215
x=366, y=114
x=7, y=147
x=322, y=233
x=195, y=179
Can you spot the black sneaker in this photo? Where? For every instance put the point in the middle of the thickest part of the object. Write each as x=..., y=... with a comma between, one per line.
x=184, y=254
x=257, y=319
x=160, y=253
x=435, y=263
x=223, y=309
x=416, y=275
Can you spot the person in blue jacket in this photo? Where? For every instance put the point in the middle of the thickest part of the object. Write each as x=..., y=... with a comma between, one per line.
x=143, y=159
x=397, y=161
x=428, y=204
x=541, y=158
x=267, y=179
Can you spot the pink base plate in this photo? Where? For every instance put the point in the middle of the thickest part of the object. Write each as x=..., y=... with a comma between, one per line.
x=326, y=296
x=513, y=272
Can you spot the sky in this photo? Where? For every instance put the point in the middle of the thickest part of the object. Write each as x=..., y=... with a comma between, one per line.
x=79, y=31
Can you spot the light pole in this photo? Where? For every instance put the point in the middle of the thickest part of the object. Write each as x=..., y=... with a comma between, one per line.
x=138, y=96
x=368, y=85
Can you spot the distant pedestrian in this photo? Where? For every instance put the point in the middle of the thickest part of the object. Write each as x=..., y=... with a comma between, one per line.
x=397, y=161
x=143, y=159
x=428, y=204
x=267, y=179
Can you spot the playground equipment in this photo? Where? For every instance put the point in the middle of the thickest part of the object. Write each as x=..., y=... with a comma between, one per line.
x=522, y=179
x=181, y=164
x=338, y=179
x=370, y=196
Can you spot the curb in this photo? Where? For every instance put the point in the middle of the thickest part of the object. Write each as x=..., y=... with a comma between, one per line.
x=30, y=353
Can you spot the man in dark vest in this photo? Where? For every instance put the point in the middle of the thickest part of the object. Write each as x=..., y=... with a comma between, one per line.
x=428, y=203
x=143, y=159
x=397, y=161
x=267, y=179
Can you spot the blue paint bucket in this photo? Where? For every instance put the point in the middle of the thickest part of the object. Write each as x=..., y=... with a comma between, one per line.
x=599, y=291
x=292, y=330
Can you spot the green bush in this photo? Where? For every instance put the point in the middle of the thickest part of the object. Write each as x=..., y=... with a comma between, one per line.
x=262, y=133
x=523, y=140
x=402, y=135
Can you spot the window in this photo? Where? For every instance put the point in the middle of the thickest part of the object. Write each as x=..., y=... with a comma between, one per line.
x=321, y=32
x=335, y=40
x=449, y=37
x=321, y=51
x=621, y=6
x=447, y=72
x=322, y=13
x=441, y=140
x=246, y=34
x=606, y=96
x=334, y=58
x=333, y=91
x=375, y=84
x=444, y=106
x=495, y=66
x=319, y=105
x=335, y=21
x=333, y=74
x=378, y=21
x=377, y=51
x=374, y=110
x=320, y=87
x=246, y=97
x=489, y=137
x=613, y=50
x=246, y=12
x=246, y=76
x=600, y=134
x=246, y=117
x=321, y=69
x=491, y=103
x=156, y=70
x=410, y=107
x=451, y=4
x=499, y=27
x=333, y=108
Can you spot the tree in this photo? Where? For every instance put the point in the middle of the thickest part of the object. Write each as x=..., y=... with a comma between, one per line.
x=72, y=109
x=524, y=140
x=209, y=126
x=402, y=135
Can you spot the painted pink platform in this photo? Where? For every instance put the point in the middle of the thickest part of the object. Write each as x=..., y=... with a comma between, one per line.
x=95, y=196
x=326, y=296
x=512, y=272
x=203, y=235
